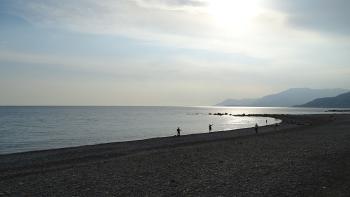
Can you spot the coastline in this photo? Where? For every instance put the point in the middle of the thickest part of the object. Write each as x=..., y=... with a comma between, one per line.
x=22, y=167
x=126, y=147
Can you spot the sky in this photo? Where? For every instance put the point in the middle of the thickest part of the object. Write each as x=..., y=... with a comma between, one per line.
x=169, y=52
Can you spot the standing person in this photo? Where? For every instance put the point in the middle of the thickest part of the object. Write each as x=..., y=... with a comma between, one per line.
x=210, y=127
x=266, y=122
x=256, y=128
x=178, y=131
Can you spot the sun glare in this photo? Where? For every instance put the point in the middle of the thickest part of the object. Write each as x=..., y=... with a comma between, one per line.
x=233, y=12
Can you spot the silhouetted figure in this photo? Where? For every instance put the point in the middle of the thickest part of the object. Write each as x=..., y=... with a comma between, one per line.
x=178, y=131
x=256, y=128
x=266, y=122
x=210, y=127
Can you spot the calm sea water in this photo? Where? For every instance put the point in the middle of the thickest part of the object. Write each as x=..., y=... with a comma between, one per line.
x=38, y=128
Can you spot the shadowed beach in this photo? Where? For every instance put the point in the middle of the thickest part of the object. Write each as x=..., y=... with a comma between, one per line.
x=307, y=155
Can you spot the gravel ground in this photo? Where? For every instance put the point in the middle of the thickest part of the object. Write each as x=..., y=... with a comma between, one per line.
x=307, y=155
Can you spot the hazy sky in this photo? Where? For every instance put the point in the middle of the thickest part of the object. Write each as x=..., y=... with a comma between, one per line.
x=168, y=52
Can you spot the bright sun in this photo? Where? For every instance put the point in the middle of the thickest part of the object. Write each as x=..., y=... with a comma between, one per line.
x=233, y=12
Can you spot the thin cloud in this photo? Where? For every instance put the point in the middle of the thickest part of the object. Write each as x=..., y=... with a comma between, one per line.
x=172, y=3
x=268, y=36
x=324, y=16
x=282, y=46
x=152, y=20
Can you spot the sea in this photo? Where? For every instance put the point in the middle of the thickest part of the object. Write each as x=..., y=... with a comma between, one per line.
x=32, y=128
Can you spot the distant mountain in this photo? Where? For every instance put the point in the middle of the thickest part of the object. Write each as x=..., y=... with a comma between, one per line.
x=288, y=98
x=237, y=102
x=340, y=101
x=295, y=96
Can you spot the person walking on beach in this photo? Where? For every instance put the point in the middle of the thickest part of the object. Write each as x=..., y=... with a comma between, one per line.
x=256, y=128
x=178, y=131
x=210, y=127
